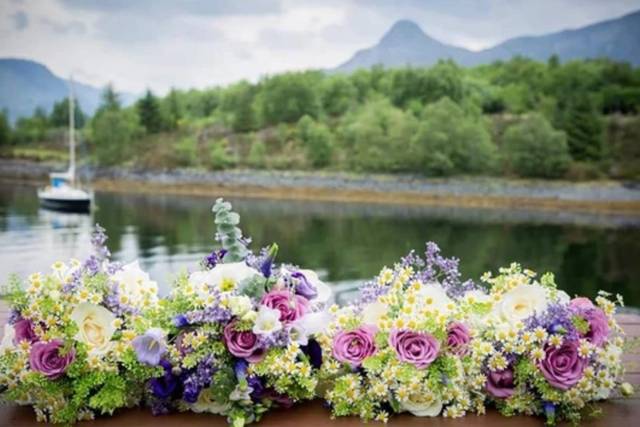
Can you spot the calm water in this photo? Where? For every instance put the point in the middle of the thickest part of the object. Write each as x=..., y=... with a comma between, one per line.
x=346, y=242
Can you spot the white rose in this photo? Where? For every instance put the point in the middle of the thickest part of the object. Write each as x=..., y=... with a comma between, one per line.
x=225, y=277
x=136, y=285
x=433, y=298
x=206, y=403
x=95, y=326
x=7, y=338
x=324, y=291
x=427, y=408
x=267, y=321
x=521, y=302
x=372, y=313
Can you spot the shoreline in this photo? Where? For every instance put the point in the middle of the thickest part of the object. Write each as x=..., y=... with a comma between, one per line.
x=477, y=192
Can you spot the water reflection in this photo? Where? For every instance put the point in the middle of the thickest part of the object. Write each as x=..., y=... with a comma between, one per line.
x=346, y=241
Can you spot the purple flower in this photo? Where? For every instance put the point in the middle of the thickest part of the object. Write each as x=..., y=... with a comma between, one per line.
x=500, y=384
x=163, y=387
x=150, y=346
x=291, y=307
x=282, y=400
x=354, y=346
x=267, y=262
x=180, y=321
x=458, y=338
x=562, y=366
x=214, y=258
x=313, y=352
x=417, y=348
x=303, y=286
x=596, y=318
x=240, y=368
x=257, y=388
x=46, y=358
x=24, y=331
x=243, y=344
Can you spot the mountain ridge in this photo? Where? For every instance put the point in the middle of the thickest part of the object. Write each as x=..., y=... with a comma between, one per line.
x=617, y=38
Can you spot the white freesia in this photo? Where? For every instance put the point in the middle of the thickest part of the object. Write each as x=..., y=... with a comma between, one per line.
x=267, y=321
x=308, y=325
x=521, y=302
x=433, y=298
x=562, y=297
x=423, y=408
x=324, y=291
x=224, y=277
x=95, y=327
x=7, y=338
x=372, y=313
x=207, y=404
x=135, y=286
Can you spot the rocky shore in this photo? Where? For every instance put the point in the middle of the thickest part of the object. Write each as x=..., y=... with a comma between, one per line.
x=407, y=189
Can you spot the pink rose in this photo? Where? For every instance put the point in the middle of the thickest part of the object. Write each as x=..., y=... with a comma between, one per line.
x=417, y=348
x=243, y=344
x=562, y=366
x=596, y=318
x=458, y=337
x=290, y=306
x=24, y=331
x=45, y=357
x=354, y=346
x=500, y=384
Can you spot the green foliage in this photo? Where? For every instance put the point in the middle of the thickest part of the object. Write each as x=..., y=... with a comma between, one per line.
x=534, y=149
x=5, y=129
x=584, y=129
x=31, y=129
x=114, y=134
x=426, y=85
x=219, y=155
x=187, y=151
x=59, y=116
x=228, y=231
x=257, y=154
x=449, y=140
x=376, y=137
x=238, y=102
x=317, y=140
x=148, y=109
x=338, y=94
x=287, y=97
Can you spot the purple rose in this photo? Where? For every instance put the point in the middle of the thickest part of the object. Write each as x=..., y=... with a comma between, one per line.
x=596, y=318
x=24, y=331
x=417, y=348
x=500, y=384
x=46, y=358
x=562, y=366
x=458, y=337
x=354, y=346
x=303, y=286
x=243, y=344
x=291, y=307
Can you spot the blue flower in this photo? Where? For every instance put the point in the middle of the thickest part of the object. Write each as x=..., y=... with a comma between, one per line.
x=267, y=263
x=150, y=347
x=180, y=321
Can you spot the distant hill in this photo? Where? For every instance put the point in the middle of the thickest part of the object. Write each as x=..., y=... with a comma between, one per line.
x=406, y=44
x=25, y=85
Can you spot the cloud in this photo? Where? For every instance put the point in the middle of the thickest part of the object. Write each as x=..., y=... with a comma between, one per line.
x=20, y=20
x=71, y=27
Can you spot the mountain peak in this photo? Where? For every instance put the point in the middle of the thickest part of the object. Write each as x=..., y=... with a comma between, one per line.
x=404, y=31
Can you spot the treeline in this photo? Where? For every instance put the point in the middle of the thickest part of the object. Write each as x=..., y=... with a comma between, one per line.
x=519, y=118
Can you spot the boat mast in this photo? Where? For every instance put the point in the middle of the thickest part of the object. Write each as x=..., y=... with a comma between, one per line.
x=72, y=128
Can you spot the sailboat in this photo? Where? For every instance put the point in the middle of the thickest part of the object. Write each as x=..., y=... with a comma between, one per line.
x=63, y=192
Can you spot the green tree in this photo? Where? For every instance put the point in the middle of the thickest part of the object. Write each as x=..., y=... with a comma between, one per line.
x=59, y=116
x=5, y=129
x=449, y=141
x=110, y=99
x=317, y=141
x=584, y=129
x=257, y=154
x=220, y=158
x=338, y=95
x=376, y=137
x=171, y=109
x=285, y=98
x=148, y=109
x=32, y=129
x=113, y=135
x=238, y=103
x=533, y=148
x=426, y=85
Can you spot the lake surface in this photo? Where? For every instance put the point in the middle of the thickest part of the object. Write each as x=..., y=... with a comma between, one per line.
x=346, y=242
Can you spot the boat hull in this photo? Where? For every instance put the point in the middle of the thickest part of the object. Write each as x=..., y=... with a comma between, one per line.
x=79, y=205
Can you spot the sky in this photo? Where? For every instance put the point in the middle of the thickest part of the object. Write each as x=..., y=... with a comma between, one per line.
x=159, y=44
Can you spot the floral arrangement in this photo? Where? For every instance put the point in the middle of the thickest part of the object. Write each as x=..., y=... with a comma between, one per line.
x=543, y=353
x=242, y=332
x=69, y=347
x=404, y=345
